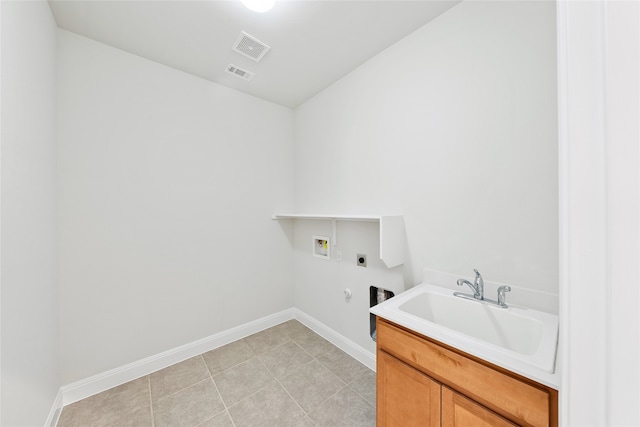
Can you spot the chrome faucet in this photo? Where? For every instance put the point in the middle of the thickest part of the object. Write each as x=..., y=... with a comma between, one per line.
x=478, y=291
x=477, y=285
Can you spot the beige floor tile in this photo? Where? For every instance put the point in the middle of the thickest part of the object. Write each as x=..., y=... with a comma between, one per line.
x=330, y=391
x=238, y=382
x=140, y=417
x=311, y=385
x=291, y=328
x=284, y=359
x=227, y=356
x=344, y=366
x=344, y=409
x=177, y=377
x=221, y=420
x=67, y=416
x=189, y=407
x=266, y=340
x=271, y=406
x=108, y=407
x=312, y=343
x=365, y=386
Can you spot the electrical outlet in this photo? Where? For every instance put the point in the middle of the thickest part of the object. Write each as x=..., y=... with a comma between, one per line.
x=361, y=260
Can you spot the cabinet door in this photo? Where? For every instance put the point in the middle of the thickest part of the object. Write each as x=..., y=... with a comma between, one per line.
x=460, y=411
x=405, y=397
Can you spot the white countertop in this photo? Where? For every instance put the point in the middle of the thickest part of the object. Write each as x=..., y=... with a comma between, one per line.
x=527, y=365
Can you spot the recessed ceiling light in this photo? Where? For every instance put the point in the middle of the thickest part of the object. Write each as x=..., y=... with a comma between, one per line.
x=260, y=6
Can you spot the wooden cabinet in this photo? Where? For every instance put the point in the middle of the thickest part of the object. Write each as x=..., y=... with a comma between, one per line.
x=421, y=382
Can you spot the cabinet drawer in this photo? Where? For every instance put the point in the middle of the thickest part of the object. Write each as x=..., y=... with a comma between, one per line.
x=508, y=396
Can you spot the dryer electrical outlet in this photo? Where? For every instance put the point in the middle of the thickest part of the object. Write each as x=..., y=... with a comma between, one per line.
x=361, y=260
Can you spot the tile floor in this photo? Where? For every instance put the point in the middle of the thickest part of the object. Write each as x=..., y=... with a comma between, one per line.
x=284, y=376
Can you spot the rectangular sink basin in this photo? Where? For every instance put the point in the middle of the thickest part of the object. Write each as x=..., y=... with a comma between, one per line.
x=517, y=338
x=495, y=325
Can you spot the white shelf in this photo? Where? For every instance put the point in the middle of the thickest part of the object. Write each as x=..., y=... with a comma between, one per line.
x=392, y=234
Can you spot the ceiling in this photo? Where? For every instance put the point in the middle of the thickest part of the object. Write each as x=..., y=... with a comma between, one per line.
x=313, y=42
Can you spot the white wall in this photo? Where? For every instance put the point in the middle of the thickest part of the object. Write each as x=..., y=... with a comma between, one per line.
x=167, y=184
x=455, y=127
x=29, y=312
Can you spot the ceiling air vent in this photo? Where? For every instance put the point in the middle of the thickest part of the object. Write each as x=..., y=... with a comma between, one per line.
x=250, y=47
x=239, y=72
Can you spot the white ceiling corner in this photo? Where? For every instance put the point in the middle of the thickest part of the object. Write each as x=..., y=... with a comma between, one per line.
x=313, y=42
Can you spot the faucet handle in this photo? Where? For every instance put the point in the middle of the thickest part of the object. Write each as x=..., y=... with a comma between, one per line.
x=501, y=295
x=478, y=275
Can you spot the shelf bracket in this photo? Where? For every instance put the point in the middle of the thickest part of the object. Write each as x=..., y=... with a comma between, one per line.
x=334, y=239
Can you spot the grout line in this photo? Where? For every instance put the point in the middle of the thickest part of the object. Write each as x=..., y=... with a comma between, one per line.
x=361, y=396
x=255, y=356
x=289, y=340
x=327, y=399
x=295, y=401
x=230, y=367
x=249, y=395
x=301, y=348
x=190, y=385
x=319, y=336
x=153, y=422
x=224, y=404
x=181, y=390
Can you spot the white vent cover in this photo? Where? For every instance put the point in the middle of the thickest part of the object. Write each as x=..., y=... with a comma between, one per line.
x=239, y=72
x=250, y=47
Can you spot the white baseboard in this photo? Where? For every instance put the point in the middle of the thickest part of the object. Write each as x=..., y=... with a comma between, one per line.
x=352, y=349
x=98, y=383
x=56, y=409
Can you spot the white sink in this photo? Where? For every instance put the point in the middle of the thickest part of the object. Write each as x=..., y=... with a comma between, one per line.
x=509, y=329
x=517, y=338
